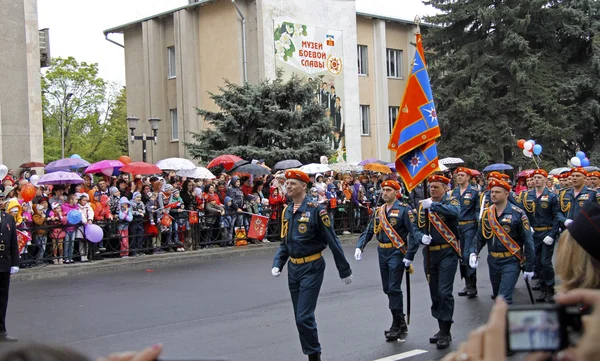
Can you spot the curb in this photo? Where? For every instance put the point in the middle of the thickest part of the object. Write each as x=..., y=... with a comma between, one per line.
x=169, y=258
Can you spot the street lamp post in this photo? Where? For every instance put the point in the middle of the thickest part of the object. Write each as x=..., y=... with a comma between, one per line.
x=62, y=125
x=133, y=121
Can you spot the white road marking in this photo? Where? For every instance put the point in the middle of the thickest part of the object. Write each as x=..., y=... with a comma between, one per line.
x=402, y=356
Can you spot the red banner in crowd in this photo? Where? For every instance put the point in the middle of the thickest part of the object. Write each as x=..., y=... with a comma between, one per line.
x=258, y=227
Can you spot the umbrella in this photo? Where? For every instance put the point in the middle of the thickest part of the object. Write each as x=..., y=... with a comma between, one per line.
x=196, y=173
x=314, y=168
x=557, y=171
x=524, y=173
x=103, y=165
x=66, y=164
x=371, y=160
x=175, y=164
x=497, y=166
x=392, y=166
x=442, y=167
x=253, y=169
x=376, y=167
x=60, y=177
x=287, y=164
x=345, y=167
x=449, y=161
x=32, y=165
x=226, y=160
x=140, y=168
x=591, y=168
x=475, y=172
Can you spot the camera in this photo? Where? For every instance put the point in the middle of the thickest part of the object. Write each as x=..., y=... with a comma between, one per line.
x=547, y=328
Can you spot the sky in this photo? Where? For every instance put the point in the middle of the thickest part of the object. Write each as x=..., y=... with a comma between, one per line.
x=76, y=26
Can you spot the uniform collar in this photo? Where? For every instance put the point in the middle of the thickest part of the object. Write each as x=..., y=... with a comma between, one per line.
x=302, y=207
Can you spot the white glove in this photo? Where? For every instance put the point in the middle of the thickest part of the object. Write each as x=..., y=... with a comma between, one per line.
x=548, y=240
x=14, y=270
x=426, y=203
x=473, y=262
x=567, y=222
x=407, y=262
x=276, y=272
x=357, y=254
x=426, y=240
x=347, y=280
x=527, y=276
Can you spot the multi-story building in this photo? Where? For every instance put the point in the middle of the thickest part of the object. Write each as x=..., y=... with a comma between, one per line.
x=21, y=131
x=173, y=59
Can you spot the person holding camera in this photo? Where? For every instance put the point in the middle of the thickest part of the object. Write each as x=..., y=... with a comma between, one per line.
x=505, y=229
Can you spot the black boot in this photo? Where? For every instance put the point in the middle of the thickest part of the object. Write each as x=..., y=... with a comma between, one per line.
x=436, y=337
x=537, y=286
x=549, y=294
x=472, y=286
x=445, y=337
x=465, y=290
x=395, y=324
x=398, y=328
x=542, y=296
x=314, y=357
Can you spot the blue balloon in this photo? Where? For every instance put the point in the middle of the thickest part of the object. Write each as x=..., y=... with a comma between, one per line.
x=75, y=156
x=74, y=217
x=532, y=141
x=585, y=162
x=580, y=155
x=537, y=149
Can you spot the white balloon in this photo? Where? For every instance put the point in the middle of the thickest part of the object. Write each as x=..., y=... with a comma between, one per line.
x=527, y=153
x=576, y=162
x=108, y=171
x=3, y=171
x=527, y=146
x=34, y=179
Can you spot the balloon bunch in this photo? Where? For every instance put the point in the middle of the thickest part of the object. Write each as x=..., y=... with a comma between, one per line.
x=580, y=160
x=530, y=149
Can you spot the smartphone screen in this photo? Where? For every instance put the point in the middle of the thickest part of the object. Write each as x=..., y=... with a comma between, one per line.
x=534, y=330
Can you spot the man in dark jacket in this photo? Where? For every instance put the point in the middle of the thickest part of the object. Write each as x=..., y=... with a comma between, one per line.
x=9, y=264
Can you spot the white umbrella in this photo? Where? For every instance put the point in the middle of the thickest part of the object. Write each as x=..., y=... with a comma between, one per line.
x=345, y=167
x=175, y=164
x=196, y=173
x=442, y=167
x=449, y=160
x=314, y=168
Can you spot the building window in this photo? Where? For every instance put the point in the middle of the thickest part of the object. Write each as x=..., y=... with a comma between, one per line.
x=172, y=64
x=365, y=125
x=363, y=65
x=174, y=125
x=393, y=112
x=394, y=63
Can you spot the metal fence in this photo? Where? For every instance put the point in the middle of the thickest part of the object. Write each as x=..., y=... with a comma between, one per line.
x=60, y=244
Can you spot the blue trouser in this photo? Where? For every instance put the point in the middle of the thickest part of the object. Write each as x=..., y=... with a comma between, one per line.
x=136, y=235
x=504, y=274
x=543, y=258
x=442, y=269
x=69, y=245
x=392, y=268
x=304, y=282
x=467, y=235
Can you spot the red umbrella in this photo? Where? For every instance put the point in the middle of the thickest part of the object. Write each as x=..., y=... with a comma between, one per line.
x=140, y=168
x=32, y=165
x=226, y=160
x=524, y=173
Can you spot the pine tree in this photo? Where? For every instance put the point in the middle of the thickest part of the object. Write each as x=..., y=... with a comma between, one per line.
x=272, y=120
x=509, y=69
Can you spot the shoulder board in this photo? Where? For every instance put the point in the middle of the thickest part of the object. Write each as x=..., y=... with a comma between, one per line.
x=311, y=204
x=450, y=198
x=515, y=208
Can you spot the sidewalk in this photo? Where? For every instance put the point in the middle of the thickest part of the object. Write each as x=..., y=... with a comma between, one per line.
x=114, y=264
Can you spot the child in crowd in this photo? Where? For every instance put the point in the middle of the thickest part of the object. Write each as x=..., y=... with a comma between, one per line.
x=40, y=234
x=136, y=227
x=56, y=217
x=125, y=216
x=87, y=217
x=69, y=242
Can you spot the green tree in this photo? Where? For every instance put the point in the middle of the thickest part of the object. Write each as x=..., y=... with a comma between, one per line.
x=88, y=111
x=272, y=120
x=505, y=70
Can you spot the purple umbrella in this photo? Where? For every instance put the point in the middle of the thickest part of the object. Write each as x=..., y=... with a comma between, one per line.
x=66, y=164
x=60, y=177
x=392, y=166
x=371, y=160
x=104, y=165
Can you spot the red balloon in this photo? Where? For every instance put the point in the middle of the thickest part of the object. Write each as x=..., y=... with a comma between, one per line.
x=521, y=143
x=125, y=159
x=28, y=192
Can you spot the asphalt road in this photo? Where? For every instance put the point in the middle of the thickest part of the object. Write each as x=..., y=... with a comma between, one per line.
x=233, y=308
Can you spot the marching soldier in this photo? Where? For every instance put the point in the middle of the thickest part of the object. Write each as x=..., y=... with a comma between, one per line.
x=572, y=199
x=467, y=226
x=541, y=207
x=393, y=228
x=437, y=228
x=305, y=232
x=595, y=178
x=505, y=229
x=485, y=197
x=9, y=264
